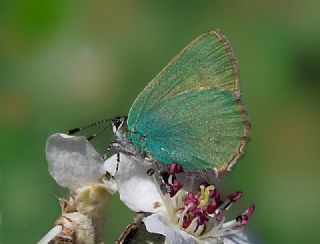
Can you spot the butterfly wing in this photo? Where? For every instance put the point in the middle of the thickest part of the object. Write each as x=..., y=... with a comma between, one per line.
x=191, y=112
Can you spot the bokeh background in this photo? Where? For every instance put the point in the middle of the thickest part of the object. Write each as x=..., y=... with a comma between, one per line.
x=64, y=63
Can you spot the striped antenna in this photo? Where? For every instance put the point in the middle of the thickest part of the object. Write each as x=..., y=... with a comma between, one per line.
x=75, y=130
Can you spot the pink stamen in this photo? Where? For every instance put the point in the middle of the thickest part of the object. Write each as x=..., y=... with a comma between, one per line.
x=171, y=185
x=192, y=200
x=176, y=186
x=186, y=221
x=243, y=219
x=211, y=207
x=193, y=207
x=235, y=196
x=215, y=194
x=250, y=210
x=203, y=206
x=201, y=217
x=174, y=168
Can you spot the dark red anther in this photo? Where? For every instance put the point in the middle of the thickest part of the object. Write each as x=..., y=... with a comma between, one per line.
x=243, y=219
x=235, y=196
x=212, y=193
x=174, y=168
x=186, y=221
x=176, y=186
x=191, y=198
x=215, y=194
x=211, y=207
x=201, y=217
x=192, y=207
x=250, y=210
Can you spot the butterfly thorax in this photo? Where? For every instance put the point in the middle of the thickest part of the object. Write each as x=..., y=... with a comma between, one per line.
x=128, y=142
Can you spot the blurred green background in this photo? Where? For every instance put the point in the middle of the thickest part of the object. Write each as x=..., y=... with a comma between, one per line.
x=63, y=63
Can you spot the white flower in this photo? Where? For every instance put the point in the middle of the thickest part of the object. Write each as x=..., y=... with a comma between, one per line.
x=181, y=216
x=74, y=163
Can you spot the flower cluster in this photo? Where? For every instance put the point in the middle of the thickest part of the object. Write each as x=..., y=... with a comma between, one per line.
x=182, y=216
x=196, y=217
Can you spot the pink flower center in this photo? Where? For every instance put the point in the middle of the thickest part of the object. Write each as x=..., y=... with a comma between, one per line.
x=203, y=206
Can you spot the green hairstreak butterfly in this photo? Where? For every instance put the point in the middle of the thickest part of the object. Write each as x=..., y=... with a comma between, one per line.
x=191, y=112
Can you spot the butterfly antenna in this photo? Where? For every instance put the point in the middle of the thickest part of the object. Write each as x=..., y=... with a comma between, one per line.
x=75, y=130
x=89, y=138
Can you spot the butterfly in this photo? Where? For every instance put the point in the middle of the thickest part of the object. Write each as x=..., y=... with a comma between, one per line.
x=191, y=113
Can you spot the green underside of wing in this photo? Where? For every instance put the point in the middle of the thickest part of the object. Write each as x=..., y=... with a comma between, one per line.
x=198, y=129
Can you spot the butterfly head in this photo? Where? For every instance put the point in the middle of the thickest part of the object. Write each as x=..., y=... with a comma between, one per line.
x=118, y=124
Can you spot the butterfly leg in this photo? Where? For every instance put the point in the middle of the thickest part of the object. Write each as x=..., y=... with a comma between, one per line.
x=118, y=162
x=125, y=148
x=110, y=146
x=163, y=177
x=104, y=156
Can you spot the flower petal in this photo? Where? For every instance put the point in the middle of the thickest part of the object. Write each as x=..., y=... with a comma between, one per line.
x=137, y=189
x=156, y=223
x=110, y=182
x=110, y=164
x=73, y=162
x=238, y=238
